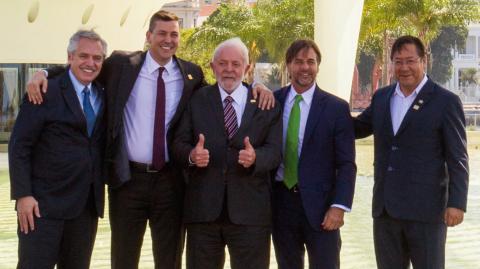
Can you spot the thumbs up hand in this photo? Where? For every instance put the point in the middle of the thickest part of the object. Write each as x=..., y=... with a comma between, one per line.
x=199, y=155
x=246, y=157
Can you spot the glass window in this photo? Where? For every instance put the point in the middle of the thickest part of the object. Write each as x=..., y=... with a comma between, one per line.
x=13, y=78
x=478, y=47
x=470, y=46
x=9, y=97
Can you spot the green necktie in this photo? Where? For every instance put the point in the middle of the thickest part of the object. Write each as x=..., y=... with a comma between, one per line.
x=290, y=175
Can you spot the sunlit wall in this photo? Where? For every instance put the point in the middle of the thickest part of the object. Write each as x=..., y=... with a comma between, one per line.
x=37, y=31
x=337, y=25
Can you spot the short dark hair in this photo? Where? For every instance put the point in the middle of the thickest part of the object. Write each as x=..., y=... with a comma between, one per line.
x=408, y=39
x=161, y=15
x=299, y=45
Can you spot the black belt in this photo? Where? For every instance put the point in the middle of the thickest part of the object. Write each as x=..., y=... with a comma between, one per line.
x=145, y=167
x=282, y=185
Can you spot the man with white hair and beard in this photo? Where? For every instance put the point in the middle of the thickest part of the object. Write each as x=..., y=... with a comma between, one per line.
x=228, y=147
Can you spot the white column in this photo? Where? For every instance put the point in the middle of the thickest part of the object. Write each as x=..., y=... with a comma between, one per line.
x=337, y=26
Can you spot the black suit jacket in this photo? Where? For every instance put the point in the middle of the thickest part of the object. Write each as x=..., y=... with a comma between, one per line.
x=247, y=191
x=326, y=168
x=119, y=73
x=424, y=167
x=51, y=156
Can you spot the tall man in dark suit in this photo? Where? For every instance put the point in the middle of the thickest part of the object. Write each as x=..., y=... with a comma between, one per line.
x=229, y=147
x=314, y=184
x=148, y=94
x=421, y=163
x=55, y=154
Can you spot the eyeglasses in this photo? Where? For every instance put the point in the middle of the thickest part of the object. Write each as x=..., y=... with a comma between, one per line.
x=409, y=62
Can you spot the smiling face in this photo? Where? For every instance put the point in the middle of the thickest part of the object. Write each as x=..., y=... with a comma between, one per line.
x=409, y=68
x=86, y=61
x=303, y=69
x=163, y=40
x=229, y=68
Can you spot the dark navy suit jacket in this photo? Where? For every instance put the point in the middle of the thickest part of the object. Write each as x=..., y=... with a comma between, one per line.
x=327, y=161
x=51, y=156
x=423, y=168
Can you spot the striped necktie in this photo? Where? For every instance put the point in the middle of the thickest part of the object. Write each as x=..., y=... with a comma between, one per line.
x=230, y=117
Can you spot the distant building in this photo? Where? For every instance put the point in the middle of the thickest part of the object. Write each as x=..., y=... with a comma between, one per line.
x=465, y=63
x=193, y=13
x=187, y=11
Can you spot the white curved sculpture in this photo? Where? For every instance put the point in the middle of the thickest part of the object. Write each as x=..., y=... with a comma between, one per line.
x=36, y=31
x=337, y=26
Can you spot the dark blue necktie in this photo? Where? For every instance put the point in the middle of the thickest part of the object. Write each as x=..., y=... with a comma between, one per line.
x=88, y=111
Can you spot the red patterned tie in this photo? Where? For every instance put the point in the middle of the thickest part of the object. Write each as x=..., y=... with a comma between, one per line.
x=158, y=158
x=230, y=117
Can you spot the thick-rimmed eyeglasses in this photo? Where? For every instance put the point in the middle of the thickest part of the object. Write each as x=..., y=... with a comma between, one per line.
x=409, y=62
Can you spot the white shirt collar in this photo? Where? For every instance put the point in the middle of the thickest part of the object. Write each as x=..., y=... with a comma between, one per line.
x=153, y=66
x=417, y=89
x=238, y=94
x=307, y=96
x=77, y=85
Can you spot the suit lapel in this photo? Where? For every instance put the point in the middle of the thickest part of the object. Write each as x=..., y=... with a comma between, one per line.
x=71, y=99
x=129, y=75
x=187, y=92
x=101, y=110
x=422, y=98
x=216, y=107
x=315, y=113
x=282, y=96
x=388, y=113
x=247, y=116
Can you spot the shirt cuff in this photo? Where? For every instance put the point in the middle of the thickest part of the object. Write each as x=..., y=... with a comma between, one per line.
x=346, y=209
x=190, y=162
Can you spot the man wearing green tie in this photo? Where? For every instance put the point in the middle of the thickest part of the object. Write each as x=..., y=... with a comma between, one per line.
x=314, y=185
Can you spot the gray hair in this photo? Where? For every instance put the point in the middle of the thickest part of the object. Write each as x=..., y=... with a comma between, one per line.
x=232, y=42
x=88, y=34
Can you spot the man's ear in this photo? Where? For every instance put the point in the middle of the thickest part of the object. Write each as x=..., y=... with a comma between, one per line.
x=247, y=68
x=69, y=58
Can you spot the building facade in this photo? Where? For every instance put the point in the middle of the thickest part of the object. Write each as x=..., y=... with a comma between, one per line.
x=465, y=80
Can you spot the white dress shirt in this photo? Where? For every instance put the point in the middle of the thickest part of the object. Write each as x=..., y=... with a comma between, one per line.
x=239, y=96
x=399, y=103
x=95, y=99
x=305, y=105
x=139, y=112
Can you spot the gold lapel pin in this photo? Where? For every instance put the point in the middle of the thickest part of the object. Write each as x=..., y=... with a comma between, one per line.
x=253, y=101
x=189, y=77
x=416, y=107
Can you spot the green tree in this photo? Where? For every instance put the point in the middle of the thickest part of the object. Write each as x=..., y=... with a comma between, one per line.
x=267, y=28
x=279, y=23
x=449, y=38
x=469, y=76
x=384, y=20
x=379, y=27
x=187, y=51
x=428, y=17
